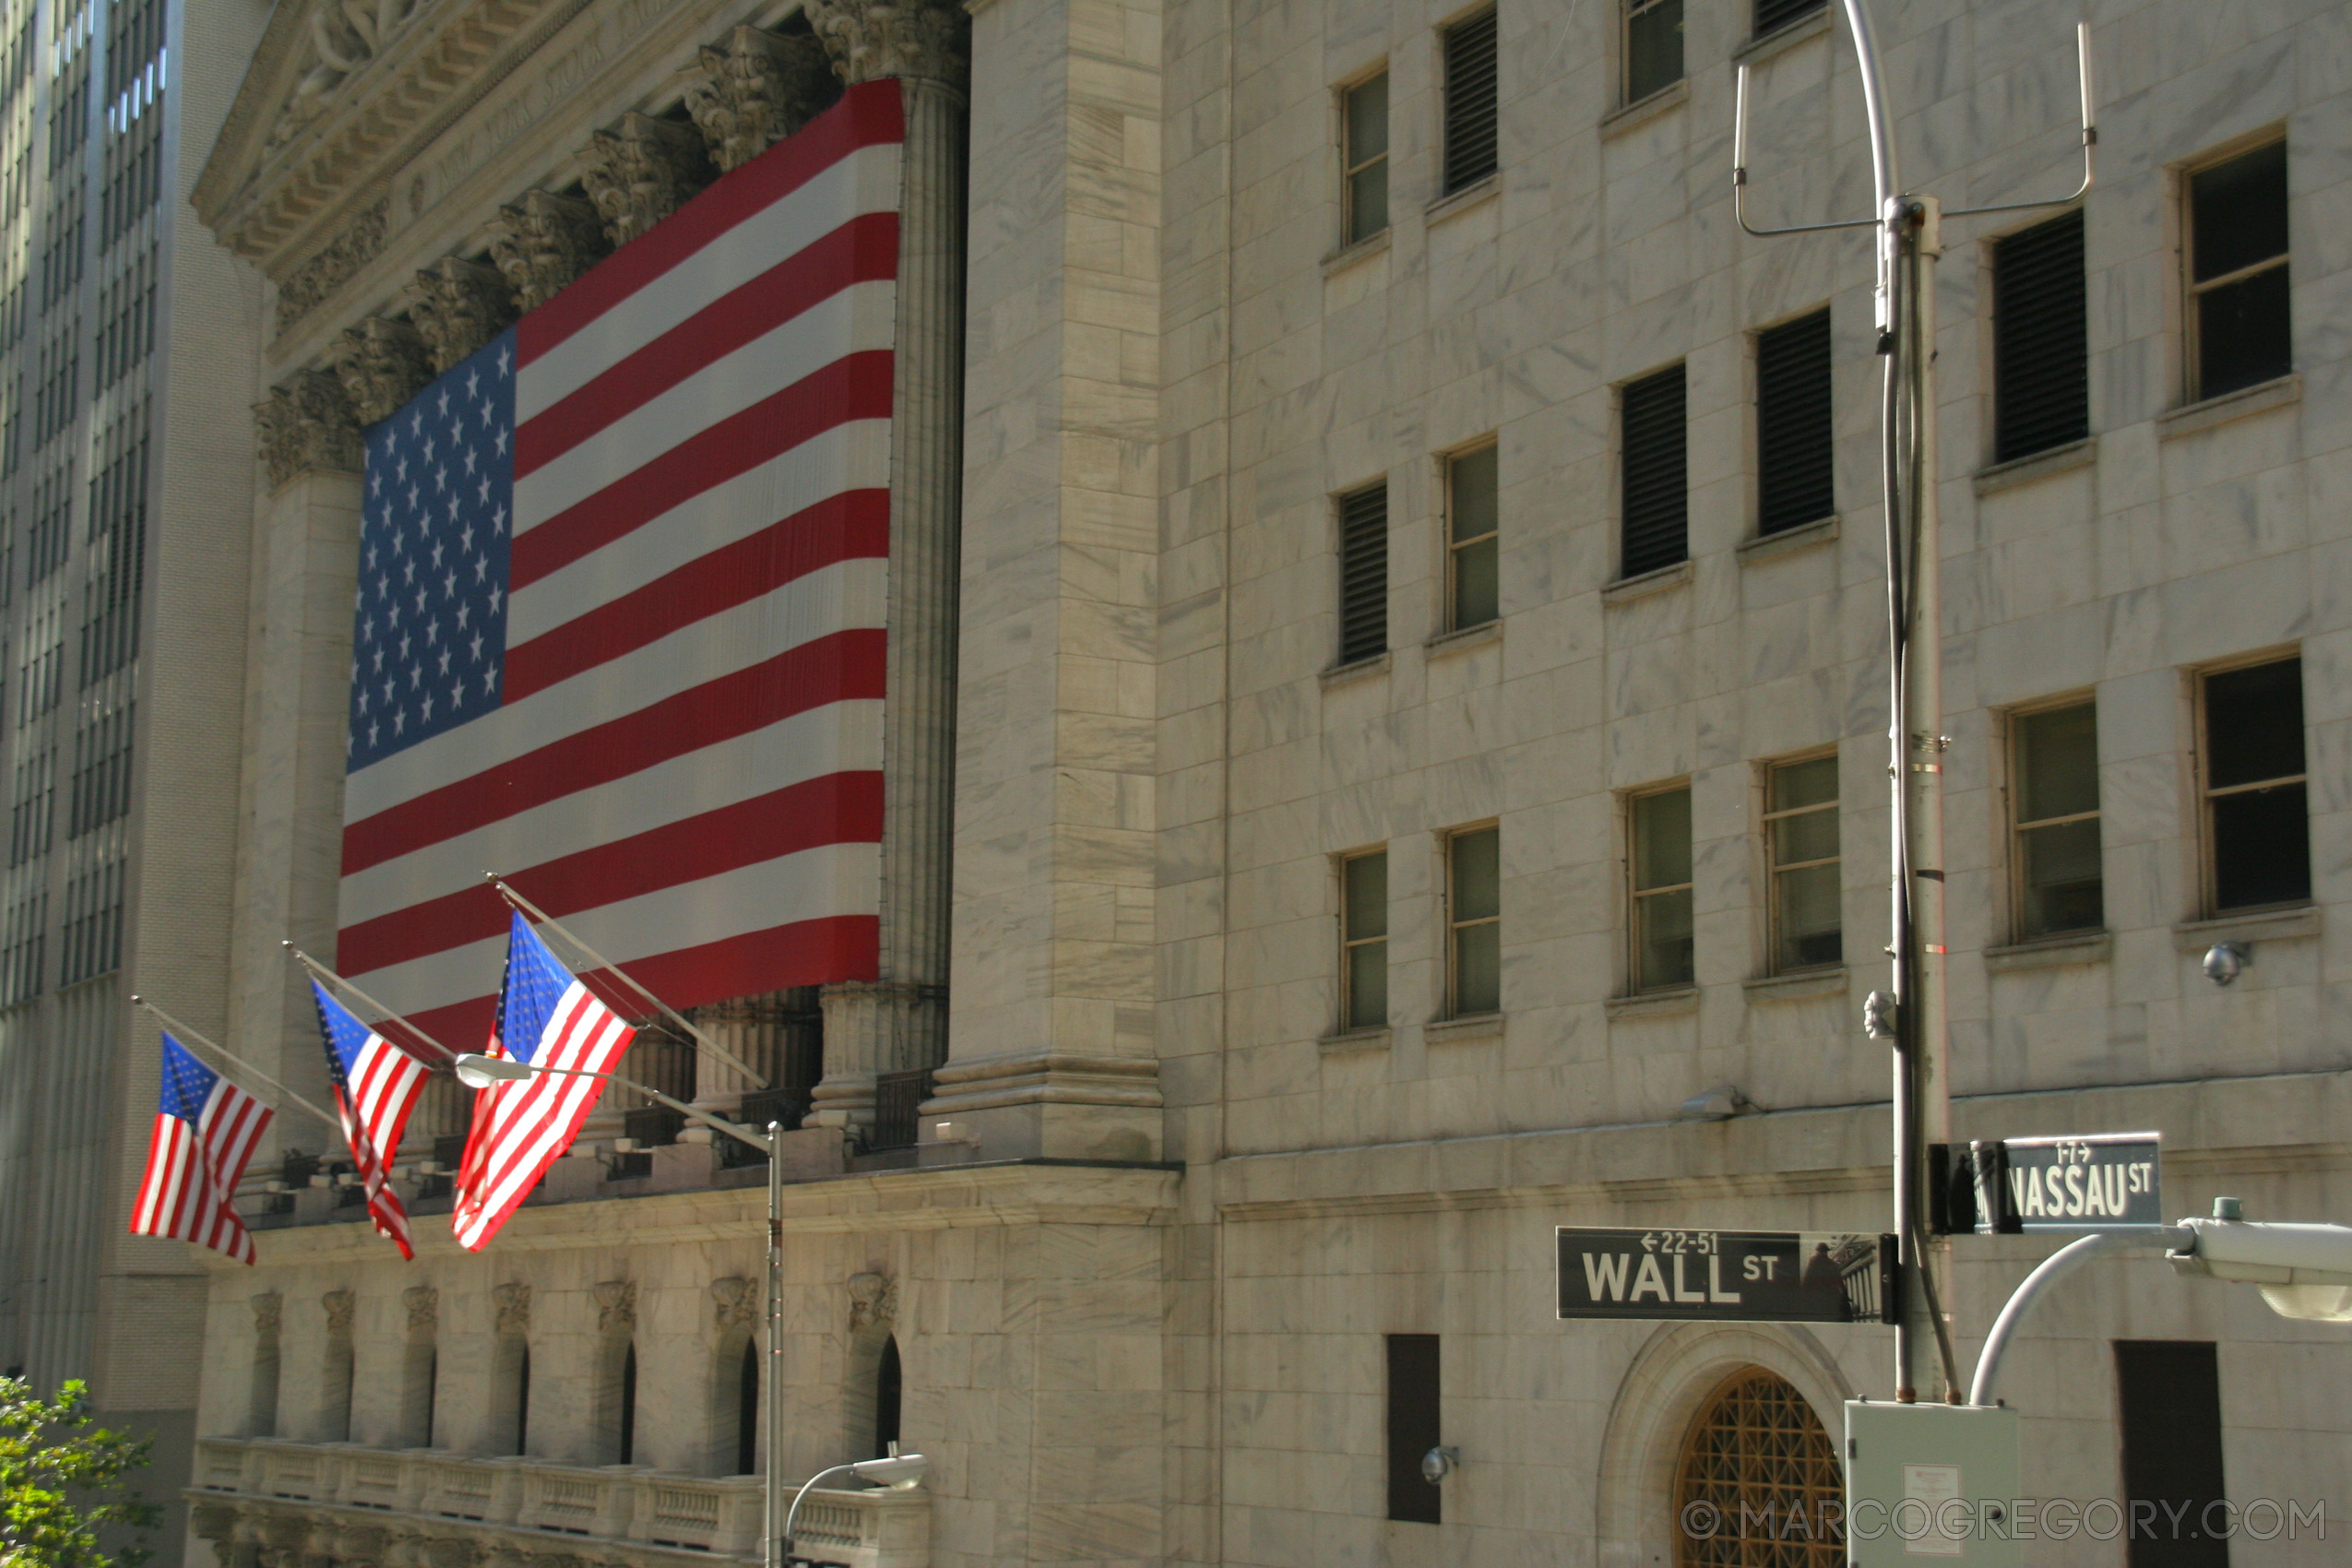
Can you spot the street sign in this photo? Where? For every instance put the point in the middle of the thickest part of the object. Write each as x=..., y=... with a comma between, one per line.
x=2078, y=1184
x=1725, y=1276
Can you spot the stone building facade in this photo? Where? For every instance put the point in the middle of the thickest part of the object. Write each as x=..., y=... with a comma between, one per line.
x=1360, y=849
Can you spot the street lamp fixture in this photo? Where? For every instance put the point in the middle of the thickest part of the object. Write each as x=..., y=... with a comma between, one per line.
x=896, y=1471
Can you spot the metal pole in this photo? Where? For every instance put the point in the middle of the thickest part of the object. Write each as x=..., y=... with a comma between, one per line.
x=2064, y=1261
x=774, y=1390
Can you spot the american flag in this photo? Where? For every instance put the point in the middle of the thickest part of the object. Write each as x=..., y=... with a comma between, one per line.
x=376, y=1084
x=547, y=1018
x=205, y=1131
x=620, y=630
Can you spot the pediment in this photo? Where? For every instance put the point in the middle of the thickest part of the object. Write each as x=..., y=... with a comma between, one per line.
x=340, y=94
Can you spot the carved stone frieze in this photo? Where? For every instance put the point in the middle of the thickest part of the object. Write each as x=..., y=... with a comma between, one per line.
x=616, y=1307
x=732, y=1302
x=759, y=90
x=543, y=241
x=642, y=173
x=459, y=305
x=306, y=427
x=874, y=1300
x=871, y=38
x=340, y=1303
x=382, y=363
x=512, y=1303
x=357, y=244
x=425, y=1308
x=343, y=35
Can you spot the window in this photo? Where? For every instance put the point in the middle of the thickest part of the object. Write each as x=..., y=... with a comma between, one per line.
x=1364, y=154
x=2169, y=1395
x=1654, y=487
x=629, y=1405
x=2055, y=766
x=1473, y=566
x=1474, y=920
x=1660, y=834
x=1413, y=1427
x=1756, y=1461
x=1363, y=574
x=1469, y=103
x=1653, y=47
x=888, y=1381
x=747, y=1411
x=2238, y=316
x=1774, y=15
x=2041, y=384
x=2257, y=847
x=1801, y=838
x=1365, y=940
x=1794, y=440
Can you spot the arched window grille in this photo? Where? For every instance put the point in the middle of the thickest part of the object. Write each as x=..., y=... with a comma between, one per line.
x=1760, y=1485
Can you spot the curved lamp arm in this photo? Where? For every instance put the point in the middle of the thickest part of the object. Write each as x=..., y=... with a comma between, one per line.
x=476, y=1071
x=897, y=1472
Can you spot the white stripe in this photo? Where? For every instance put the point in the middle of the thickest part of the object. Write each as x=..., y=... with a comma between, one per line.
x=849, y=457
x=591, y=1045
x=866, y=181
x=847, y=594
x=858, y=317
x=830, y=880
x=838, y=738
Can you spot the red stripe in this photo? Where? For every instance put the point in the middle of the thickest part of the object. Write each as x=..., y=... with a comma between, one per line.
x=851, y=526
x=836, y=809
x=863, y=250
x=855, y=386
x=837, y=947
x=842, y=666
x=868, y=115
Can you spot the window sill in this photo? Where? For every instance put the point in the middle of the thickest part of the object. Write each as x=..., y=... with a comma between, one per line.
x=1354, y=1040
x=1364, y=249
x=1653, y=1004
x=2259, y=398
x=2255, y=926
x=1624, y=590
x=1468, y=637
x=1463, y=1031
x=1796, y=985
x=1758, y=50
x=1619, y=121
x=1787, y=541
x=1360, y=669
x=2051, y=951
x=1454, y=204
x=2063, y=459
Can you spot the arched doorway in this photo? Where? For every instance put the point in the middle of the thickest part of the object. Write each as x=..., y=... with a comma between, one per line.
x=1759, y=1485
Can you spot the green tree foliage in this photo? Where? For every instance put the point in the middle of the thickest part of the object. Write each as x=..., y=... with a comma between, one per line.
x=61, y=1485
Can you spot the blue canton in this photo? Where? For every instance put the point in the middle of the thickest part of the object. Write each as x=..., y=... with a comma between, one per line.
x=187, y=1082
x=429, y=634
x=535, y=983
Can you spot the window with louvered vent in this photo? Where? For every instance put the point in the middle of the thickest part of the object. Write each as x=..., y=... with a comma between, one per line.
x=1774, y=15
x=2238, y=318
x=1469, y=103
x=1363, y=574
x=2169, y=1397
x=1793, y=435
x=2041, y=388
x=1654, y=481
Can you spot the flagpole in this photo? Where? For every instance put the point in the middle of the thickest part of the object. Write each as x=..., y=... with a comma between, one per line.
x=323, y=972
x=543, y=918
x=227, y=1056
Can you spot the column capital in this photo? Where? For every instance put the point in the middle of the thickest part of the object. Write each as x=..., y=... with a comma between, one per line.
x=306, y=427
x=871, y=38
x=543, y=241
x=759, y=90
x=459, y=305
x=641, y=172
x=382, y=364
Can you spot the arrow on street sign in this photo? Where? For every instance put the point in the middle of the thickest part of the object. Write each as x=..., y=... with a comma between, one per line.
x=2081, y=1183
x=1725, y=1276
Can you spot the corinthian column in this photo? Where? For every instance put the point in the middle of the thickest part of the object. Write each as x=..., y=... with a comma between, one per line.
x=899, y=1022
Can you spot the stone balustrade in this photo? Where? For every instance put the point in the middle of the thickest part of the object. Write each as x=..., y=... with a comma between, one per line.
x=276, y=1504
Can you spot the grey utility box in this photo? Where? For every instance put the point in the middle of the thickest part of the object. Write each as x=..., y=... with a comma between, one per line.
x=1930, y=1485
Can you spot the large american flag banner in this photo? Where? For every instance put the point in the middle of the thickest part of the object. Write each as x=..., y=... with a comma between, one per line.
x=376, y=1085
x=547, y=1018
x=620, y=622
x=206, y=1128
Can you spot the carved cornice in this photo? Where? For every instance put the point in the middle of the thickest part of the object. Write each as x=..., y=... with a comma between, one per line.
x=642, y=173
x=732, y=1302
x=458, y=307
x=543, y=241
x=306, y=427
x=512, y=1305
x=358, y=243
x=874, y=1300
x=759, y=90
x=340, y=1303
x=425, y=1308
x=382, y=364
x=616, y=1307
x=267, y=1311
x=870, y=39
